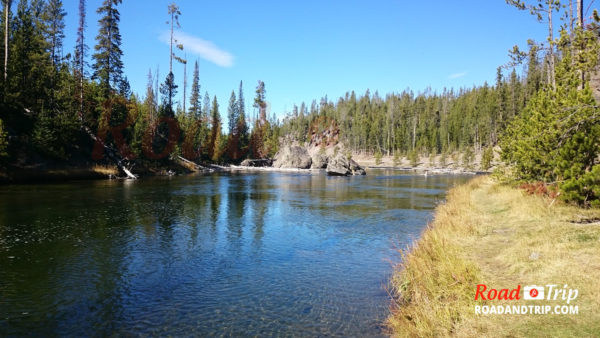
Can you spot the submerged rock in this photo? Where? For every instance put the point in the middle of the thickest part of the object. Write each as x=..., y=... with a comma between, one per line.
x=340, y=165
x=292, y=157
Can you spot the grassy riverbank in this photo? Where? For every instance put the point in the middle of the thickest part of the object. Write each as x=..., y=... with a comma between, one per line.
x=497, y=235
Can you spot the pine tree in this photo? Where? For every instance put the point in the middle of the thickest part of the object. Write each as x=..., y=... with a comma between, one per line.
x=555, y=139
x=108, y=67
x=543, y=8
x=242, y=126
x=168, y=89
x=218, y=143
x=55, y=28
x=206, y=107
x=241, y=102
x=260, y=132
x=232, y=114
x=195, y=98
x=31, y=67
x=260, y=103
x=233, y=144
x=79, y=60
x=150, y=101
x=215, y=134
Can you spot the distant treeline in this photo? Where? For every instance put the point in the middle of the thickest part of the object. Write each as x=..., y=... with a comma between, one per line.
x=427, y=122
x=546, y=122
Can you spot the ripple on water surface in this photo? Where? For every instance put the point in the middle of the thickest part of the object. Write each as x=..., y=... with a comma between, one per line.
x=264, y=254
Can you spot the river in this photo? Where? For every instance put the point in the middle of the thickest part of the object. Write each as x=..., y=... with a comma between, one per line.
x=266, y=254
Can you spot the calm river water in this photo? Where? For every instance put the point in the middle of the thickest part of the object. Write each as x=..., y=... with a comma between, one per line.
x=265, y=254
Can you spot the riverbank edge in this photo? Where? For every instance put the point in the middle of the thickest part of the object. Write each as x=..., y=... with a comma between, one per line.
x=103, y=172
x=491, y=233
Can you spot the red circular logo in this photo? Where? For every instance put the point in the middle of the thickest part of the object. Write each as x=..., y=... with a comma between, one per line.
x=533, y=293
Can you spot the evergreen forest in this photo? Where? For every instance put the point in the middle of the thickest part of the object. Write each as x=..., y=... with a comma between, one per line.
x=76, y=106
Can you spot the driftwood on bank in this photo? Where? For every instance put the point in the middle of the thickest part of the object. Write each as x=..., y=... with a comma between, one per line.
x=195, y=166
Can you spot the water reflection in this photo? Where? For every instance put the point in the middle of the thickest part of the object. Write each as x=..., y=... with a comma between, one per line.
x=232, y=254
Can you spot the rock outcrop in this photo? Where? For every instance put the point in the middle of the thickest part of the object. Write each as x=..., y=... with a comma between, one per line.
x=292, y=157
x=319, y=161
x=340, y=165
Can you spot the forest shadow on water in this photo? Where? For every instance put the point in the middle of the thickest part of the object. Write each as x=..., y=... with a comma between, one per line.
x=222, y=254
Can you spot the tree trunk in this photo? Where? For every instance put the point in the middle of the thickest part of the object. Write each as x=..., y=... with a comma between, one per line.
x=171, y=48
x=6, y=17
x=580, y=13
x=551, y=40
x=109, y=53
x=184, y=83
x=571, y=21
x=111, y=153
x=81, y=48
x=414, y=136
x=580, y=25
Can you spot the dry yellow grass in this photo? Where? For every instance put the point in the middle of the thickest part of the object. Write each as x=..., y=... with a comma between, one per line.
x=105, y=170
x=494, y=234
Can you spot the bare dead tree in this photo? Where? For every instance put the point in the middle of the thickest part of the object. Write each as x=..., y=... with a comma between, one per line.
x=6, y=19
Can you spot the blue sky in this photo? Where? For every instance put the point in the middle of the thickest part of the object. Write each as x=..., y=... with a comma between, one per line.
x=304, y=50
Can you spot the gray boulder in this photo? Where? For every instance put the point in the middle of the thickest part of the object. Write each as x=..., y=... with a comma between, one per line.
x=340, y=165
x=319, y=161
x=356, y=169
x=292, y=157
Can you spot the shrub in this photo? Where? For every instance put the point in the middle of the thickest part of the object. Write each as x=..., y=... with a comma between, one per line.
x=413, y=156
x=378, y=157
x=486, y=158
x=468, y=158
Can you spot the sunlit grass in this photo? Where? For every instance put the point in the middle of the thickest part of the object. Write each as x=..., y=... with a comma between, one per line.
x=495, y=234
x=105, y=170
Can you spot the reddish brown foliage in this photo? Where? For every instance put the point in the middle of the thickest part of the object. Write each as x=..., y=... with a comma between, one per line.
x=540, y=189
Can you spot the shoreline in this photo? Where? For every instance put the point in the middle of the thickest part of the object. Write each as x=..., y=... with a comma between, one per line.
x=493, y=234
x=432, y=165
x=102, y=172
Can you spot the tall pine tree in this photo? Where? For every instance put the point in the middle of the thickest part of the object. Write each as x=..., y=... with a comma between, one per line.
x=108, y=67
x=214, y=145
x=195, y=98
x=232, y=114
x=55, y=14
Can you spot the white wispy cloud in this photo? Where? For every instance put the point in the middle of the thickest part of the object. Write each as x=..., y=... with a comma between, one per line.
x=457, y=75
x=204, y=49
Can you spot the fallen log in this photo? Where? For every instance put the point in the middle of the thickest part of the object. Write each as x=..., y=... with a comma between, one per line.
x=112, y=154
